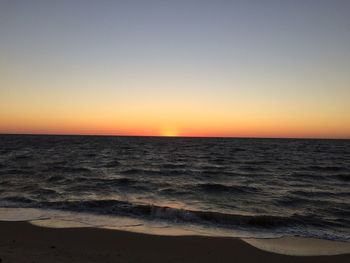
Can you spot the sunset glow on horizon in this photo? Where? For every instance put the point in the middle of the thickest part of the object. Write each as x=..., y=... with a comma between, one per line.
x=177, y=68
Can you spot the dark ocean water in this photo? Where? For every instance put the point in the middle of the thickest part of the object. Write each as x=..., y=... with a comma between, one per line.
x=284, y=186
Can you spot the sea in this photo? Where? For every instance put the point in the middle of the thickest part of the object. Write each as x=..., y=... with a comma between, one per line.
x=176, y=185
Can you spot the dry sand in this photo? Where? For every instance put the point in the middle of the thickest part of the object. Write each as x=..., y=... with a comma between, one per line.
x=23, y=242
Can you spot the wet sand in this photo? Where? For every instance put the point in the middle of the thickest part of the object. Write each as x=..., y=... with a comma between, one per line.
x=23, y=242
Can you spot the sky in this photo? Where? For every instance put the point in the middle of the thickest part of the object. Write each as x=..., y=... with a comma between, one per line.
x=267, y=68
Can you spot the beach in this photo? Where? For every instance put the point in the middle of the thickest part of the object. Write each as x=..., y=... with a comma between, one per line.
x=174, y=131
x=23, y=242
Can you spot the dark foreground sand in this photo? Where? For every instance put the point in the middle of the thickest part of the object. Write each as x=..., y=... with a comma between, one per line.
x=22, y=242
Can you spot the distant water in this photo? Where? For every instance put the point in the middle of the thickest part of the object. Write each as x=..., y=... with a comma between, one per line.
x=258, y=186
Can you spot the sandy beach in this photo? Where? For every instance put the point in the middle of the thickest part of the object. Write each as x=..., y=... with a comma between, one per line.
x=23, y=242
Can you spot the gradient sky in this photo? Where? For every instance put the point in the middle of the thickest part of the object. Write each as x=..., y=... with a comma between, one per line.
x=195, y=68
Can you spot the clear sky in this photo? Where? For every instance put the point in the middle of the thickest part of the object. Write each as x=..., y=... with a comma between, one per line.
x=272, y=68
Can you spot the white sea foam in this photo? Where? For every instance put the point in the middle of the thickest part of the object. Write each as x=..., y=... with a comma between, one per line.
x=64, y=219
x=297, y=246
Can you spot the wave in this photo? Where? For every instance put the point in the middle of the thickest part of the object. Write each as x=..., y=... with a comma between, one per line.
x=67, y=169
x=326, y=168
x=16, y=172
x=343, y=177
x=56, y=178
x=44, y=192
x=108, y=164
x=173, y=166
x=220, y=188
x=154, y=172
x=320, y=193
x=154, y=212
x=134, y=171
x=16, y=201
x=116, y=207
x=253, y=169
x=310, y=177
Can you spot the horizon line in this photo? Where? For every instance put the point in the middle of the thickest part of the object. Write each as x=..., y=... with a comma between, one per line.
x=179, y=136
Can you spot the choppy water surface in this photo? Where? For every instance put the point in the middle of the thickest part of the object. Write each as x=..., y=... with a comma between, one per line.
x=260, y=186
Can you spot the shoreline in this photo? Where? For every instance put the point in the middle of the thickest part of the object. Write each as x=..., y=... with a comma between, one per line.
x=55, y=218
x=24, y=242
